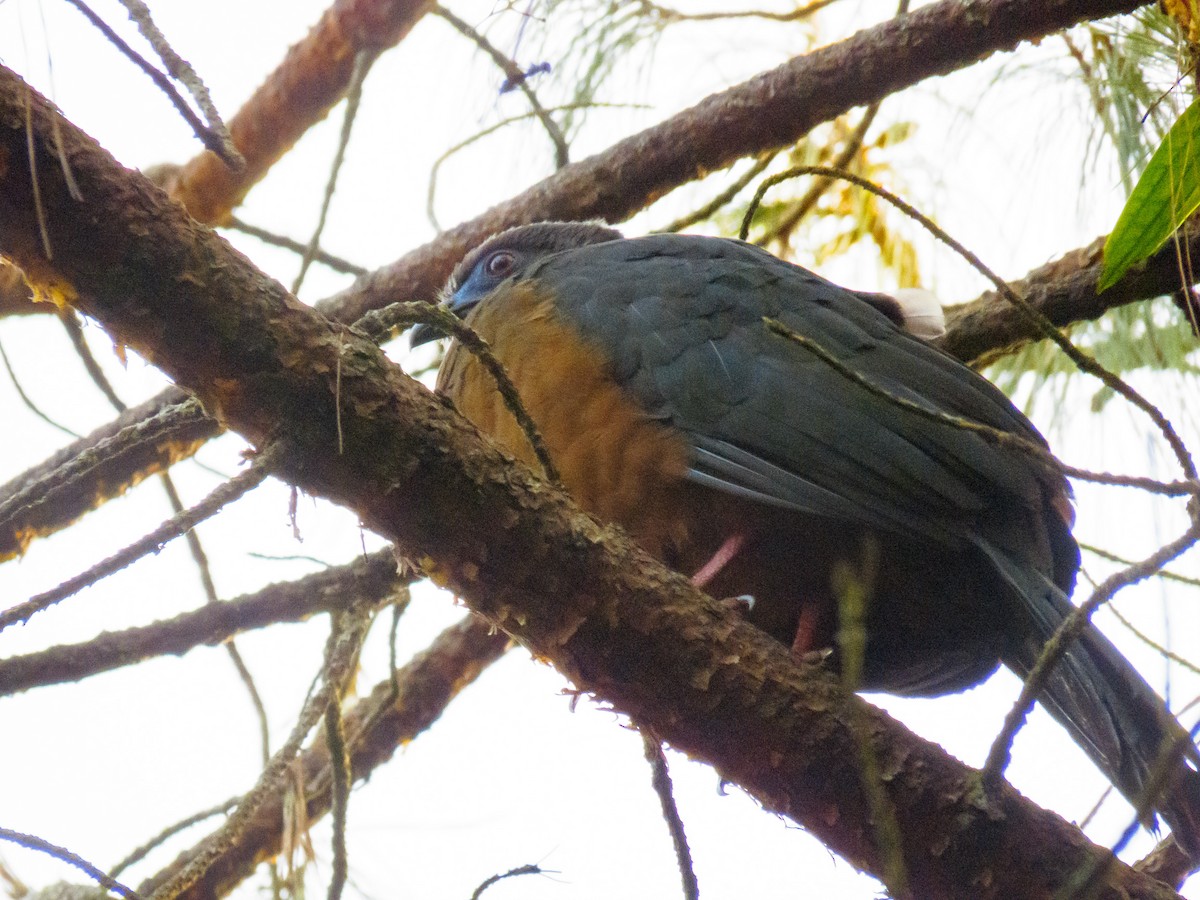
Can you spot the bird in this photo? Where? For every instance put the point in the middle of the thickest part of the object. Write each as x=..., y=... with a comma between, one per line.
x=766, y=470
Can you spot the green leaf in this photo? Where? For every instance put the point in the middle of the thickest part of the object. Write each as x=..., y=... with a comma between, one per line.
x=1166, y=194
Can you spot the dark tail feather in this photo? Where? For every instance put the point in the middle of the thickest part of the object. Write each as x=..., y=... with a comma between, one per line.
x=1109, y=709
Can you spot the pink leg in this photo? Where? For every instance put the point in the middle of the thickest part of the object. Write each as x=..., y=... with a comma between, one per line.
x=726, y=552
x=806, y=632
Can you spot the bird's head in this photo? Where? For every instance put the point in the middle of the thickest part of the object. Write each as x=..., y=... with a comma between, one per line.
x=508, y=255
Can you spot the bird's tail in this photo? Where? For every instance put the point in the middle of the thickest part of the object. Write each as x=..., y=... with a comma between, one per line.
x=1109, y=709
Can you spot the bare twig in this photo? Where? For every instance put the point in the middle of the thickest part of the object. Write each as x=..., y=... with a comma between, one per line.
x=341, y=652
x=376, y=727
x=141, y=852
x=25, y=398
x=708, y=209
x=366, y=580
x=200, y=558
x=33, y=842
x=339, y=767
x=660, y=780
x=513, y=72
x=1057, y=646
x=381, y=323
x=181, y=70
x=1162, y=573
x=528, y=869
x=208, y=136
x=362, y=65
x=804, y=205
x=70, y=321
x=278, y=240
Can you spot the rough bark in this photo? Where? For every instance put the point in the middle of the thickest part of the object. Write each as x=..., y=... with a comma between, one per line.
x=356, y=430
x=103, y=465
x=1064, y=290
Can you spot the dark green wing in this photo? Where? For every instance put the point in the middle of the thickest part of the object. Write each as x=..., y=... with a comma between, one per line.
x=682, y=320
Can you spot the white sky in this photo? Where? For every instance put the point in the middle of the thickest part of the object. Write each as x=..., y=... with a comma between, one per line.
x=509, y=776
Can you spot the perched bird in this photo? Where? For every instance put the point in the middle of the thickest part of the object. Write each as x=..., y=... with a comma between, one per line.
x=748, y=462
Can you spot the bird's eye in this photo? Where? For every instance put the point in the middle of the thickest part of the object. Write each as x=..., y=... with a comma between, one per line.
x=500, y=264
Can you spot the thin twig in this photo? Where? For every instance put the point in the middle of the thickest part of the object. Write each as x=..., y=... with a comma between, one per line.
x=33, y=407
x=660, y=780
x=34, y=182
x=995, y=435
x=339, y=766
x=181, y=70
x=817, y=189
x=149, y=543
x=431, y=192
x=530, y=869
x=139, y=853
x=1040, y=453
x=708, y=209
x=362, y=65
x=1164, y=574
x=341, y=652
x=278, y=240
x=1153, y=644
x=200, y=558
x=208, y=137
x=372, y=580
x=854, y=587
x=378, y=324
x=513, y=72
x=70, y=320
x=673, y=15
x=31, y=842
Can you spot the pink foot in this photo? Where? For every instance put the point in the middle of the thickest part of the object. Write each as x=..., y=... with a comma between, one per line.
x=726, y=552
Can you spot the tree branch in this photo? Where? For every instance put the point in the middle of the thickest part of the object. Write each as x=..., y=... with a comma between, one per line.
x=310, y=81
x=361, y=433
x=1064, y=290
x=369, y=580
x=376, y=727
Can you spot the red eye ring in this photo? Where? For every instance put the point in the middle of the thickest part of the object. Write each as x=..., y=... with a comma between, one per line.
x=500, y=264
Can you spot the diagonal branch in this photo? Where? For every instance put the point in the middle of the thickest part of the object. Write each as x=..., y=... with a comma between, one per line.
x=580, y=595
x=313, y=77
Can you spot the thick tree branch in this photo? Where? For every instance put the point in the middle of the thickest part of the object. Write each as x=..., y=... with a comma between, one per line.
x=354, y=428
x=1064, y=290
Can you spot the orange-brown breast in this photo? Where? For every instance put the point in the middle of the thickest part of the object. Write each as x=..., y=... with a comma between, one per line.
x=616, y=462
